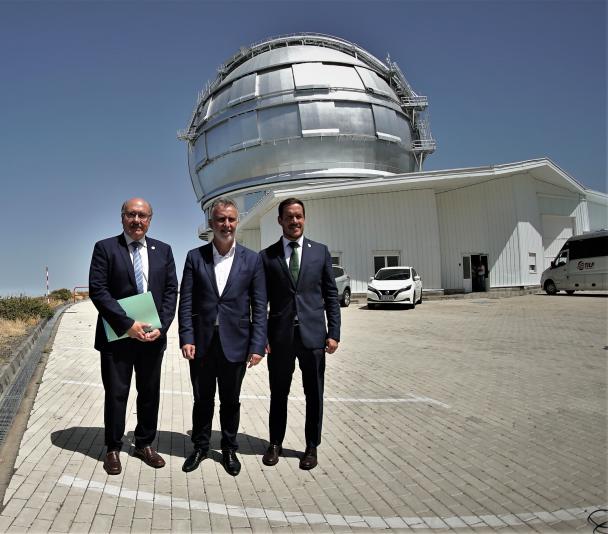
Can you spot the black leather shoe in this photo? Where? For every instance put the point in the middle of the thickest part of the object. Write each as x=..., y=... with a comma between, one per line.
x=309, y=460
x=193, y=461
x=231, y=462
x=271, y=456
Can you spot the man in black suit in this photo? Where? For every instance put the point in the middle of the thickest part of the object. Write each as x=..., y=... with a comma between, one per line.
x=302, y=294
x=123, y=266
x=222, y=326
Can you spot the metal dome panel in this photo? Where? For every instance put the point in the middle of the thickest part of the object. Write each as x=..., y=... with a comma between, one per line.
x=281, y=112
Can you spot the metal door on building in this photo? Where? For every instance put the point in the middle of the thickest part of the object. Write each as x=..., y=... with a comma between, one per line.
x=467, y=282
x=474, y=272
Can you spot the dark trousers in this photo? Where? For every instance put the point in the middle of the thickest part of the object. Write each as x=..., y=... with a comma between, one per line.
x=281, y=365
x=116, y=371
x=213, y=368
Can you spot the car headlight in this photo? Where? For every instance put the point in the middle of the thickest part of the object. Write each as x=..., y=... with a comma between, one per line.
x=403, y=289
x=373, y=290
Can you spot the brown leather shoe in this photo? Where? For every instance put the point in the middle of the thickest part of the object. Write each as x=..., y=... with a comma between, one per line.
x=149, y=456
x=271, y=456
x=309, y=460
x=111, y=464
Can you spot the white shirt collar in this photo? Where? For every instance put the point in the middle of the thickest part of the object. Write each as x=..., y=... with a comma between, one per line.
x=299, y=241
x=129, y=240
x=228, y=254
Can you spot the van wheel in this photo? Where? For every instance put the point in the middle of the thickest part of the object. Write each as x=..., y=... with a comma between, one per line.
x=570, y=291
x=550, y=287
x=345, y=301
x=420, y=299
x=413, y=304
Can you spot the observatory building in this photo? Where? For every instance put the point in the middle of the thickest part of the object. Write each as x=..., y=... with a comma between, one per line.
x=320, y=118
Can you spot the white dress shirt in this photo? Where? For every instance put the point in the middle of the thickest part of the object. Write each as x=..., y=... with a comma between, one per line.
x=143, y=253
x=222, y=266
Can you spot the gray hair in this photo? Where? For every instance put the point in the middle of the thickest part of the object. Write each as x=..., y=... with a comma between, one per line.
x=222, y=201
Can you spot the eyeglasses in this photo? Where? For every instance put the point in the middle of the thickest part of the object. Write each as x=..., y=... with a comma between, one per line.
x=134, y=214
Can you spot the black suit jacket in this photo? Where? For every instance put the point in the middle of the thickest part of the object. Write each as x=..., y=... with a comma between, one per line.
x=313, y=299
x=241, y=308
x=111, y=277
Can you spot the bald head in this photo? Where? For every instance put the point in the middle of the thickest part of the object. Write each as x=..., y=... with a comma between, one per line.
x=136, y=214
x=127, y=204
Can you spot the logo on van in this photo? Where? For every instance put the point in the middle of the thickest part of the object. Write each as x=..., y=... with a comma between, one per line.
x=582, y=265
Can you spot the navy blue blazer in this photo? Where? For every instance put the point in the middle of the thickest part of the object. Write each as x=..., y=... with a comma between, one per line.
x=111, y=277
x=314, y=298
x=241, y=308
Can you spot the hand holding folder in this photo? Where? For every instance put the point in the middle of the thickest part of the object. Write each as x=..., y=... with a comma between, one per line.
x=139, y=308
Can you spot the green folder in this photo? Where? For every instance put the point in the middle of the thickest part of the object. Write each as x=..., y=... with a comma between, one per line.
x=139, y=308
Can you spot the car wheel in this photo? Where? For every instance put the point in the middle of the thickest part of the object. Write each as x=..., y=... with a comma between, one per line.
x=550, y=287
x=413, y=304
x=420, y=299
x=345, y=301
x=570, y=291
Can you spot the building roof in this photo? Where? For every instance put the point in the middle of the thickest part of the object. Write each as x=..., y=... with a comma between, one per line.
x=542, y=169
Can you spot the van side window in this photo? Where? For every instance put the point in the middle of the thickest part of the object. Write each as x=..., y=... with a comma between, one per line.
x=589, y=248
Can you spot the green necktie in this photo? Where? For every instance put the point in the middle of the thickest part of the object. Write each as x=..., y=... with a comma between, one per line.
x=294, y=260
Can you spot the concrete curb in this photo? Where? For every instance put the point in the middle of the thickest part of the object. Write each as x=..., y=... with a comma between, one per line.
x=8, y=373
x=12, y=368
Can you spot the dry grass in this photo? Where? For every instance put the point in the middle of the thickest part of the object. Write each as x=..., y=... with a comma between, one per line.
x=11, y=334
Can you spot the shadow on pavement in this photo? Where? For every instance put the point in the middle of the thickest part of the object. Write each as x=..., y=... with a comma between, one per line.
x=89, y=441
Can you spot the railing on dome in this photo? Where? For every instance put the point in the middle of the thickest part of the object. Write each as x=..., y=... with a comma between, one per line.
x=415, y=107
x=412, y=104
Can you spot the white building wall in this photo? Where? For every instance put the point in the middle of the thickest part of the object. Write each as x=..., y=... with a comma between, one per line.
x=598, y=215
x=270, y=231
x=432, y=230
x=356, y=226
x=249, y=238
x=563, y=214
x=556, y=201
x=529, y=229
x=479, y=219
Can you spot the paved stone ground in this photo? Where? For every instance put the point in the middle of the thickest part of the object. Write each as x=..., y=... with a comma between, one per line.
x=463, y=415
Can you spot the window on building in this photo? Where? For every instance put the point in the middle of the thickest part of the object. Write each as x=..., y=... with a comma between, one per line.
x=385, y=259
x=532, y=262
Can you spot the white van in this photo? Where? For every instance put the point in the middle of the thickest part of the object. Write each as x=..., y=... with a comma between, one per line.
x=582, y=263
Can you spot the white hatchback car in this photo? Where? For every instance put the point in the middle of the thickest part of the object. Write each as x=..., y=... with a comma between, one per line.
x=394, y=285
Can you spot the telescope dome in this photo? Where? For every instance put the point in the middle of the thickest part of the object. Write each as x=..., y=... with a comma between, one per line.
x=299, y=108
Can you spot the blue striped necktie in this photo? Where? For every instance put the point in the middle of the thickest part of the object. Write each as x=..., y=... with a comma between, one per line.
x=138, y=267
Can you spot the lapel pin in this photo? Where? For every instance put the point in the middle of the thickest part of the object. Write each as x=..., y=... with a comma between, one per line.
x=153, y=247
x=308, y=245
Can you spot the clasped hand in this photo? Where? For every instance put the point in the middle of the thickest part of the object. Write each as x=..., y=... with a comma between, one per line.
x=141, y=332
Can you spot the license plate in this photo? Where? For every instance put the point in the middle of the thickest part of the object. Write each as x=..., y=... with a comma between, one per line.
x=387, y=297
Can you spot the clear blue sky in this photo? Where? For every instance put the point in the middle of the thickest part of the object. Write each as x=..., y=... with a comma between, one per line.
x=92, y=94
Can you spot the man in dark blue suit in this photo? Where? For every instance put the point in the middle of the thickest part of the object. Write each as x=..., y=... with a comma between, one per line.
x=302, y=294
x=222, y=326
x=123, y=266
